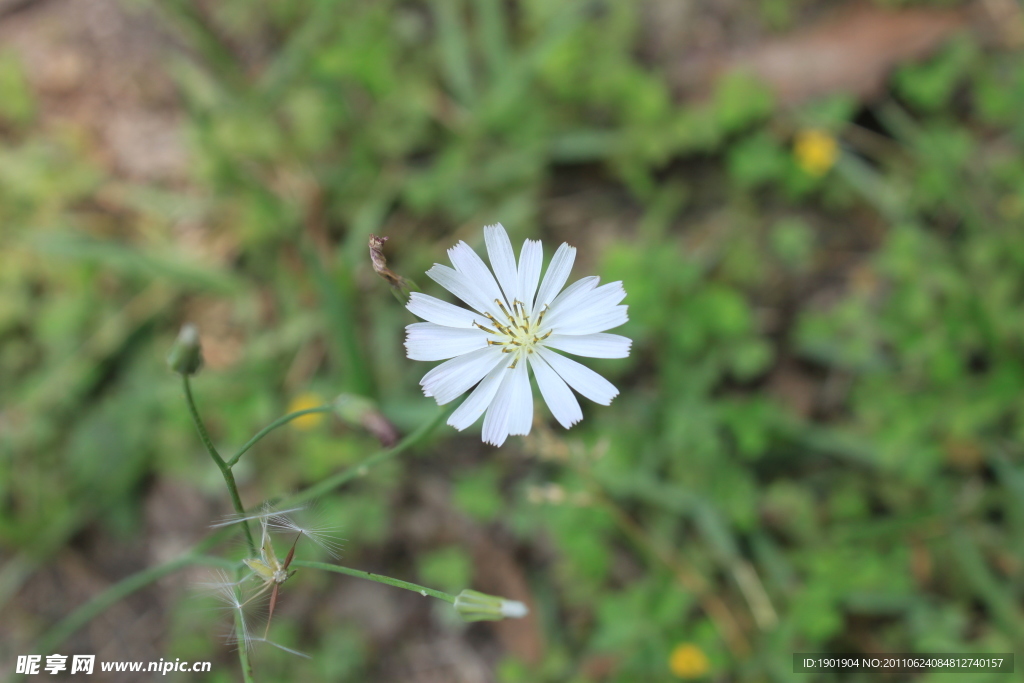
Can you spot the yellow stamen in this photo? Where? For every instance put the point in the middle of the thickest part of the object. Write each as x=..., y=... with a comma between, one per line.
x=520, y=333
x=504, y=310
x=485, y=329
x=504, y=330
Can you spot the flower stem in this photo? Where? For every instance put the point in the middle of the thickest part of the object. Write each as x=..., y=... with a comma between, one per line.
x=225, y=469
x=111, y=596
x=243, y=646
x=122, y=589
x=326, y=408
x=397, y=583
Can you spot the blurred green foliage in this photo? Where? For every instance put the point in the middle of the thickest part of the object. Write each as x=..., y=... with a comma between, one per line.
x=821, y=416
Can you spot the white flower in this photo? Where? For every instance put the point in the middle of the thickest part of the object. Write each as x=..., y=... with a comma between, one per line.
x=515, y=325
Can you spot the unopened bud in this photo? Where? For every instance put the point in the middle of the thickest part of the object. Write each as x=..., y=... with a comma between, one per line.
x=362, y=412
x=186, y=355
x=476, y=606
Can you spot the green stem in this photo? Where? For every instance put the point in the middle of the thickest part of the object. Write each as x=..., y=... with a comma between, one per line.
x=203, y=434
x=416, y=588
x=225, y=469
x=119, y=591
x=346, y=475
x=243, y=650
x=327, y=408
x=90, y=610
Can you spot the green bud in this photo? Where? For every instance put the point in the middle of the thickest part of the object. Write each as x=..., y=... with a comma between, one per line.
x=476, y=606
x=186, y=355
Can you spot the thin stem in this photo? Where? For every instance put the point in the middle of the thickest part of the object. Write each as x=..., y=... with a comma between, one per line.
x=225, y=469
x=203, y=434
x=122, y=589
x=93, y=608
x=397, y=583
x=327, y=408
x=243, y=643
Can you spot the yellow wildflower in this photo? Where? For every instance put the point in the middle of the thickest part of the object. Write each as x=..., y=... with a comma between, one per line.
x=688, y=661
x=816, y=151
x=304, y=402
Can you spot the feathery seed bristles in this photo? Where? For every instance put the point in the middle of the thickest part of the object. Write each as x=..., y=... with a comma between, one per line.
x=220, y=583
x=267, y=568
x=228, y=593
x=264, y=512
x=279, y=646
x=321, y=535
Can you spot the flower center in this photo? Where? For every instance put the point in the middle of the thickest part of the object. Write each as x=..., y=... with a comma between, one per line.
x=519, y=334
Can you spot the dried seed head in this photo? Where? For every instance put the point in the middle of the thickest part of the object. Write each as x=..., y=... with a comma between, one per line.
x=380, y=265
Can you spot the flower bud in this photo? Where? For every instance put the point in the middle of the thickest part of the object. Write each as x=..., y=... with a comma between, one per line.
x=362, y=412
x=186, y=355
x=476, y=606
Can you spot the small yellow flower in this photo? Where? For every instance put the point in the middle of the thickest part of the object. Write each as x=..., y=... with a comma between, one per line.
x=816, y=151
x=304, y=402
x=688, y=661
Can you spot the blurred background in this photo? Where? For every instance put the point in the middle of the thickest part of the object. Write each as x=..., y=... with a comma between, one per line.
x=815, y=208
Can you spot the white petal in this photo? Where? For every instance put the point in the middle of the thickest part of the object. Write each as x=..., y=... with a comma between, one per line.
x=440, y=312
x=513, y=609
x=503, y=259
x=427, y=341
x=453, y=378
x=605, y=296
x=531, y=257
x=596, y=302
x=581, y=378
x=521, y=418
x=591, y=345
x=476, y=403
x=558, y=273
x=467, y=262
x=599, y=323
x=560, y=399
x=459, y=285
x=571, y=296
x=496, y=421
